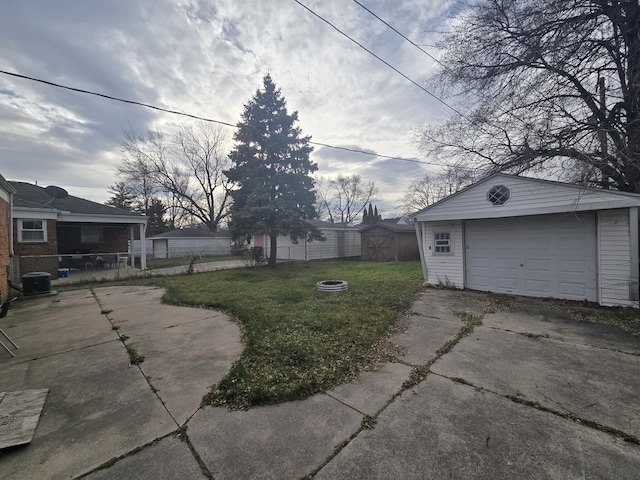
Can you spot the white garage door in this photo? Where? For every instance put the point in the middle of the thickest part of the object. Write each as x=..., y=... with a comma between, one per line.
x=540, y=256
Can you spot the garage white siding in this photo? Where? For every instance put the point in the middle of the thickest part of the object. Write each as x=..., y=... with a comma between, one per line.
x=444, y=268
x=615, y=257
x=540, y=256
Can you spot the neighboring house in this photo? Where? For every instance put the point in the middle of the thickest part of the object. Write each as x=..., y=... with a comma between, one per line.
x=389, y=242
x=190, y=241
x=52, y=229
x=6, y=251
x=524, y=236
x=341, y=241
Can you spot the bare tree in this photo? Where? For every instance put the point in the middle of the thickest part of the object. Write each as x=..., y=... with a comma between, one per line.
x=187, y=169
x=432, y=188
x=343, y=199
x=546, y=85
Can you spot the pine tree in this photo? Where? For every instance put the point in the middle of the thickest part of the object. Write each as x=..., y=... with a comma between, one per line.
x=271, y=168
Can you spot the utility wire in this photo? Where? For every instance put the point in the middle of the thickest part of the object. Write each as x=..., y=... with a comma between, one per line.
x=176, y=112
x=132, y=102
x=383, y=61
x=402, y=35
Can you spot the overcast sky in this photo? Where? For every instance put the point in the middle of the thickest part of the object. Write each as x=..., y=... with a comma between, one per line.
x=207, y=58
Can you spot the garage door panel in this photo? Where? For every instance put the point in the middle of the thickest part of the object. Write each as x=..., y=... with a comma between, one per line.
x=549, y=255
x=541, y=287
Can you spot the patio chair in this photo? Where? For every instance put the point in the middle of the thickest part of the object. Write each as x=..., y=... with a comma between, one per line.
x=3, y=312
x=110, y=261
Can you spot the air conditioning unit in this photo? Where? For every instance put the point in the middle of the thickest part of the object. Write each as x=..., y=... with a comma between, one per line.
x=35, y=283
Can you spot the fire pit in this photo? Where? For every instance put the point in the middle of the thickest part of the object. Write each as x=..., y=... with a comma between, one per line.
x=332, y=286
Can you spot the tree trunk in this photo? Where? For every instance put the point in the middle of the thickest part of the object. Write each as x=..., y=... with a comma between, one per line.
x=273, y=253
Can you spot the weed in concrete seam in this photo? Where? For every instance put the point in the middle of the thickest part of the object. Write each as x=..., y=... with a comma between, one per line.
x=106, y=311
x=533, y=335
x=419, y=373
x=574, y=418
x=115, y=328
x=368, y=422
x=135, y=357
x=124, y=338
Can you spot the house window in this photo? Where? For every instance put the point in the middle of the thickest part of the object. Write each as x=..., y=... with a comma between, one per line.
x=442, y=242
x=91, y=235
x=32, y=230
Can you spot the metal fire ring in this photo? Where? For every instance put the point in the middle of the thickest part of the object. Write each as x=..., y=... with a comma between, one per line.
x=332, y=286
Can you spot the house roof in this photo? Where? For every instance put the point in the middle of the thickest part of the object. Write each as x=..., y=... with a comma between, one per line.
x=393, y=227
x=190, y=233
x=28, y=195
x=526, y=196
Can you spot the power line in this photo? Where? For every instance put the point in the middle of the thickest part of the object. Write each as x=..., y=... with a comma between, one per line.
x=184, y=114
x=402, y=35
x=109, y=97
x=382, y=60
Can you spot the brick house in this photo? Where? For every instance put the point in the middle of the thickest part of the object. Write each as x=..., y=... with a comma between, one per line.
x=6, y=198
x=52, y=229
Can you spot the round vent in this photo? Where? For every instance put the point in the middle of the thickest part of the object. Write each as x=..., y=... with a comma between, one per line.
x=498, y=195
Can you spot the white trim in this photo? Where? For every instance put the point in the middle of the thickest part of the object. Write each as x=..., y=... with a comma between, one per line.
x=34, y=213
x=88, y=218
x=44, y=230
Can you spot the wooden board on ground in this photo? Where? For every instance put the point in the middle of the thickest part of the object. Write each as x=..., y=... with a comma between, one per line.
x=19, y=416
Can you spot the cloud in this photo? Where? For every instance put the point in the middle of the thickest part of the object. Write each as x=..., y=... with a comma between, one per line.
x=208, y=59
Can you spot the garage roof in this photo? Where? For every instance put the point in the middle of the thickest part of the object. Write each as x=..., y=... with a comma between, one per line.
x=503, y=195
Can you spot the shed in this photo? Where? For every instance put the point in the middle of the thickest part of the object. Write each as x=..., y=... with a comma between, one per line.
x=190, y=241
x=389, y=242
x=525, y=236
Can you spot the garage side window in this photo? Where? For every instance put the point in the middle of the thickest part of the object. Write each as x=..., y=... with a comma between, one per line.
x=32, y=231
x=442, y=242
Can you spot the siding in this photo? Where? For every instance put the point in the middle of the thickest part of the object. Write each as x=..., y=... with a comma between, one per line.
x=615, y=257
x=527, y=197
x=444, y=269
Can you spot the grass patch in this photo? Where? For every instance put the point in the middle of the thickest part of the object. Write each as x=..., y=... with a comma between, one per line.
x=154, y=264
x=298, y=341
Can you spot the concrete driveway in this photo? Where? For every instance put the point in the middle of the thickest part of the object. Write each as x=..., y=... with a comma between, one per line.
x=529, y=393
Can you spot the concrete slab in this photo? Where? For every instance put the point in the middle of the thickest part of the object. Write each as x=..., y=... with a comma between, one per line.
x=273, y=442
x=442, y=304
x=184, y=361
x=590, y=382
x=424, y=336
x=169, y=458
x=51, y=325
x=98, y=408
x=444, y=430
x=142, y=311
x=372, y=390
x=563, y=327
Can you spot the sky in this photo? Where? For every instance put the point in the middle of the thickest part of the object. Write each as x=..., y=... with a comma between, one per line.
x=207, y=58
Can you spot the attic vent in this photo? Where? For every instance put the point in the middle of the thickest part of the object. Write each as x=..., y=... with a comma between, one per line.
x=499, y=195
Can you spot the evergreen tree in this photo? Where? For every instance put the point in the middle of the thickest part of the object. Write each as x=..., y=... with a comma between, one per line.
x=122, y=196
x=155, y=213
x=271, y=168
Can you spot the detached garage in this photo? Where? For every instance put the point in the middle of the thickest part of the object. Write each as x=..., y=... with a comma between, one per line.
x=524, y=236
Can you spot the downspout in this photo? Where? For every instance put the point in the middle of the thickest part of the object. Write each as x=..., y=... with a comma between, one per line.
x=419, y=235
x=634, y=277
x=143, y=247
x=11, y=250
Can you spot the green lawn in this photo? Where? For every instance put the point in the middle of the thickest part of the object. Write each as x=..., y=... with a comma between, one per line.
x=298, y=341
x=155, y=263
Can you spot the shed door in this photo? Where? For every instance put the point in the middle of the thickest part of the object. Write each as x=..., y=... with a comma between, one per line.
x=539, y=256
